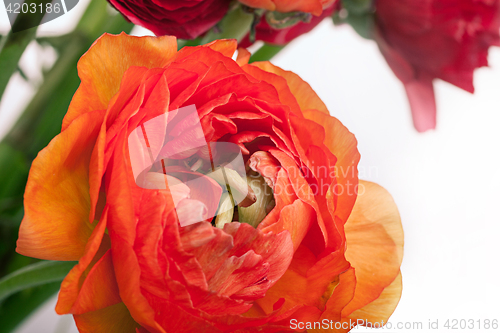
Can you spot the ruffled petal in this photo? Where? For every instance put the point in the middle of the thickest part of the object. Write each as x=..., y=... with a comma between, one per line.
x=225, y=46
x=56, y=200
x=99, y=290
x=102, y=67
x=343, y=145
x=307, y=283
x=301, y=90
x=243, y=56
x=97, y=245
x=379, y=311
x=374, y=244
x=112, y=319
x=124, y=197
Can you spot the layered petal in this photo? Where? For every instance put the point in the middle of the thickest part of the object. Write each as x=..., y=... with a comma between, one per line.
x=57, y=201
x=343, y=145
x=112, y=319
x=307, y=284
x=103, y=66
x=99, y=290
x=374, y=237
x=302, y=92
x=378, y=312
x=96, y=247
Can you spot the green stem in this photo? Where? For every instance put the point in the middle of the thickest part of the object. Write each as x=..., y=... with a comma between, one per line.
x=266, y=52
x=236, y=24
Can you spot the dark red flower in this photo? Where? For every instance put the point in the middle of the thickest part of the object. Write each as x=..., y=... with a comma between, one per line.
x=186, y=19
x=428, y=39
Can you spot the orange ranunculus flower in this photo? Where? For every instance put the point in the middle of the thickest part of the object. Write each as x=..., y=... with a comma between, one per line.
x=312, y=250
x=314, y=7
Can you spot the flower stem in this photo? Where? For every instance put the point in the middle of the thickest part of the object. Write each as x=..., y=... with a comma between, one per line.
x=266, y=52
x=236, y=24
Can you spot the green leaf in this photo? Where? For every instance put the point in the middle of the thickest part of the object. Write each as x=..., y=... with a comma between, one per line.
x=362, y=24
x=34, y=275
x=358, y=7
x=14, y=170
x=15, y=309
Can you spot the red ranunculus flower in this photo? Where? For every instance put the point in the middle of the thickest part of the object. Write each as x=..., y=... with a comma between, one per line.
x=185, y=19
x=305, y=247
x=445, y=39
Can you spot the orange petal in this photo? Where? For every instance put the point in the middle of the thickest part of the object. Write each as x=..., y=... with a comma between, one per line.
x=102, y=67
x=341, y=295
x=374, y=244
x=314, y=7
x=265, y=4
x=122, y=231
x=99, y=290
x=243, y=56
x=286, y=96
x=112, y=319
x=56, y=200
x=378, y=312
x=296, y=218
x=305, y=95
x=305, y=282
x=225, y=46
x=343, y=145
x=97, y=245
x=374, y=314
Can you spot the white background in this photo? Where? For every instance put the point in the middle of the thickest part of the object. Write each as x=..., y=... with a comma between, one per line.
x=445, y=182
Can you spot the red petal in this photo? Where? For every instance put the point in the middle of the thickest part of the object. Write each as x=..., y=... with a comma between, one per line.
x=423, y=103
